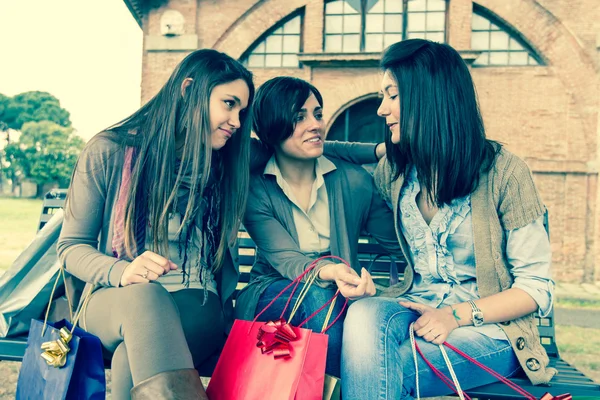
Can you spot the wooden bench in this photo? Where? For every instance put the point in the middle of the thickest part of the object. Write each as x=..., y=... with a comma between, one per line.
x=568, y=380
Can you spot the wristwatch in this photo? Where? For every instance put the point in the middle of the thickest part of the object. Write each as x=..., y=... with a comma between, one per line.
x=476, y=314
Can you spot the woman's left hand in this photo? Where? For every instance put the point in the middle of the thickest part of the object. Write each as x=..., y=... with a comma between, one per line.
x=435, y=324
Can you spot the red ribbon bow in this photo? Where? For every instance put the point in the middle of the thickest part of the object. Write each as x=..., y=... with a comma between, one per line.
x=275, y=337
x=548, y=396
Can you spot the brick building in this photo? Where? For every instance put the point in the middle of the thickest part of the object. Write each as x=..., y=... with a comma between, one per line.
x=535, y=64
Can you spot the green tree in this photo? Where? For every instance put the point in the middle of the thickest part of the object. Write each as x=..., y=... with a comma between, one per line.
x=32, y=106
x=45, y=154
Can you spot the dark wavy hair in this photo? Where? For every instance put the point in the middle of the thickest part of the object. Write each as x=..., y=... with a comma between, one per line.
x=441, y=129
x=278, y=101
x=165, y=118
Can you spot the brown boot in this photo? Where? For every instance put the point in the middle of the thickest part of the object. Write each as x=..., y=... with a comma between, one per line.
x=181, y=384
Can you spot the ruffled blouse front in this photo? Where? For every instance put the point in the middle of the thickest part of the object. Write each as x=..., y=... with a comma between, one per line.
x=443, y=252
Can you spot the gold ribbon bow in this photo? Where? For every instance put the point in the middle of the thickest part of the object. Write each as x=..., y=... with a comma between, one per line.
x=55, y=351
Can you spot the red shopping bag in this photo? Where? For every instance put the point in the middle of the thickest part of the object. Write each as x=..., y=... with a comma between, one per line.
x=274, y=360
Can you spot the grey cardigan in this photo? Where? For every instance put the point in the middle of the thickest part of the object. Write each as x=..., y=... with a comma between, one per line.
x=354, y=205
x=85, y=243
x=505, y=199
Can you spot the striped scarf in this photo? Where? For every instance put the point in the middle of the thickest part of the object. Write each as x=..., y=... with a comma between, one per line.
x=118, y=240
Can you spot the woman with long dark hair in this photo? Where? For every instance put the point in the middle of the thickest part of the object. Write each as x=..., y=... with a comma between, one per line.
x=470, y=223
x=152, y=214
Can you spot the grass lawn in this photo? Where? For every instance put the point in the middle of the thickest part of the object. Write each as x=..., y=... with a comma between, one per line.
x=19, y=219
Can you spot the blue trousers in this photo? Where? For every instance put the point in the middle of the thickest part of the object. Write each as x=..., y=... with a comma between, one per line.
x=377, y=358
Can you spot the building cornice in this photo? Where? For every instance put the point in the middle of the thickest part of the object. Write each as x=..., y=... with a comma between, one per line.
x=136, y=8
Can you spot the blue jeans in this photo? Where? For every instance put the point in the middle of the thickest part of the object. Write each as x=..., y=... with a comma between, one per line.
x=315, y=298
x=377, y=359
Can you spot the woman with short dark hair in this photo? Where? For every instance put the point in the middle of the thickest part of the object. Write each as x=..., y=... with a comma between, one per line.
x=304, y=205
x=470, y=223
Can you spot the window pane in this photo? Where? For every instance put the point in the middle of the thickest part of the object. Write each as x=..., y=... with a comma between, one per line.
x=291, y=44
x=290, y=60
x=417, y=5
x=479, y=23
x=494, y=27
x=436, y=21
x=274, y=44
x=373, y=42
x=278, y=31
x=333, y=24
x=273, y=60
x=351, y=43
x=435, y=36
x=480, y=41
x=377, y=8
x=499, y=58
x=532, y=61
x=416, y=22
x=374, y=23
x=483, y=59
x=333, y=43
x=393, y=6
x=352, y=24
x=260, y=48
x=499, y=41
x=334, y=7
x=514, y=45
x=415, y=35
x=393, y=23
x=518, y=58
x=436, y=5
x=390, y=39
x=352, y=7
x=257, y=61
x=292, y=26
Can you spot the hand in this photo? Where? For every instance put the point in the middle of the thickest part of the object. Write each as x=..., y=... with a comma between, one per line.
x=145, y=268
x=347, y=280
x=435, y=324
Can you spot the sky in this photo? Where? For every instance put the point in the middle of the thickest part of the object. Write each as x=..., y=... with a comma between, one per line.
x=86, y=53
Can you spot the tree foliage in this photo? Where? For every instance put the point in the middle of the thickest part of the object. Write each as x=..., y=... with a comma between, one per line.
x=47, y=148
x=32, y=106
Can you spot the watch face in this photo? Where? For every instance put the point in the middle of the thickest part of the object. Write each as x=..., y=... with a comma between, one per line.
x=477, y=318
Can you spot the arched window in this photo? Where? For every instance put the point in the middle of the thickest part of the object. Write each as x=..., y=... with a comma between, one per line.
x=498, y=46
x=353, y=26
x=279, y=49
x=359, y=123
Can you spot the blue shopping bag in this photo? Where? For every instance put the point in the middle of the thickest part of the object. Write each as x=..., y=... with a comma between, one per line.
x=81, y=377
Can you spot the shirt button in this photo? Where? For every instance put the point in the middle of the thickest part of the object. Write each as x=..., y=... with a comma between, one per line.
x=520, y=343
x=533, y=364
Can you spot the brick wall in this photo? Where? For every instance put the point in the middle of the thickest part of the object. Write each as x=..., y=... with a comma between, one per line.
x=547, y=115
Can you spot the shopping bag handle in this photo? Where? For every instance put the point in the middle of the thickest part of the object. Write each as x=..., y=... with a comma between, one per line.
x=311, y=279
x=74, y=321
x=456, y=388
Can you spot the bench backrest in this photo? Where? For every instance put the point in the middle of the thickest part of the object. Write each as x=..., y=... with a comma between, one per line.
x=367, y=250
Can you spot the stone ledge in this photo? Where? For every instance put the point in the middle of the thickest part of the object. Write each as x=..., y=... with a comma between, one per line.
x=171, y=43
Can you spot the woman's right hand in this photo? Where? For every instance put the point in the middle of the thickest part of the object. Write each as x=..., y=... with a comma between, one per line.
x=351, y=286
x=145, y=268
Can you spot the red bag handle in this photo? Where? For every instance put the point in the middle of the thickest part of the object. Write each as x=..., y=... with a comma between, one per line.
x=295, y=283
x=490, y=371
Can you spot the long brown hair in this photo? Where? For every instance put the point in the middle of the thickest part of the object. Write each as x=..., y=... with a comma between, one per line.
x=158, y=124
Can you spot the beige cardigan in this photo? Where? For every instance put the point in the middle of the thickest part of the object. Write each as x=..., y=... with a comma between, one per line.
x=505, y=199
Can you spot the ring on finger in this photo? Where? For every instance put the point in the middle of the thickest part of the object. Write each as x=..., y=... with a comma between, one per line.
x=145, y=274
